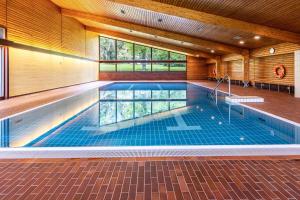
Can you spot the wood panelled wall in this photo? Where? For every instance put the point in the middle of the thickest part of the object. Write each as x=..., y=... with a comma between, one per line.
x=196, y=68
x=262, y=64
x=40, y=24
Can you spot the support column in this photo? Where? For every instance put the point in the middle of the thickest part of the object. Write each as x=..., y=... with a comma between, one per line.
x=246, y=67
x=218, y=67
x=297, y=74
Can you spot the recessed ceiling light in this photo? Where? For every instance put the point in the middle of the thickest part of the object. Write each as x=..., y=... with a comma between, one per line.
x=197, y=55
x=257, y=37
x=212, y=51
x=237, y=37
x=242, y=42
x=160, y=20
x=130, y=31
x=123, y=12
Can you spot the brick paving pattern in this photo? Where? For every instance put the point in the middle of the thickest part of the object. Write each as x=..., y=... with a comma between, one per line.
x=149, y=179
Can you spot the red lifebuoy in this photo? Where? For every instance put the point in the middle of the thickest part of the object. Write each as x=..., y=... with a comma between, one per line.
x=279, y=71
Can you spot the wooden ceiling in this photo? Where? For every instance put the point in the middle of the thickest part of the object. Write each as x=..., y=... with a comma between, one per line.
x=249, y=11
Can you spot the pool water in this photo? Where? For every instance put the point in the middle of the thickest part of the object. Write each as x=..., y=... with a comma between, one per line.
x=145, y=114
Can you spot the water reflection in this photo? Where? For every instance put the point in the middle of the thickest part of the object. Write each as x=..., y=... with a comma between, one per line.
x=120, y=105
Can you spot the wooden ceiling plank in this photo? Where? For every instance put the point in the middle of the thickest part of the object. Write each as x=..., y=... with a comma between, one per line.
x=212, y=19
x=148, y=42
x=152, y=31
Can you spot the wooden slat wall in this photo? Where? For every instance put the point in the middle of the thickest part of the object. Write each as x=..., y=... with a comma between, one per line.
x=261, y=69
x=235, y=69
x=2, y=12
x=73, y=37
x=196, y=68
x=283, y=48
x=211, y=67
x=40, y=24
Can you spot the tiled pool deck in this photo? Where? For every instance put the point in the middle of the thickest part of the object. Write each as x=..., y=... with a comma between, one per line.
x=179, y=178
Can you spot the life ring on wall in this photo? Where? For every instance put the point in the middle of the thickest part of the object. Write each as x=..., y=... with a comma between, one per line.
x=279, y=71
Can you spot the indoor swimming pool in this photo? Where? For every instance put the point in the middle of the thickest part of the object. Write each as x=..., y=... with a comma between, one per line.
x=145, y=115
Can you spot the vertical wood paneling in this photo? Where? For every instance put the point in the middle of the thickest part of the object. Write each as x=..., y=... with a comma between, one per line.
x=283, y=48
x=196, y=68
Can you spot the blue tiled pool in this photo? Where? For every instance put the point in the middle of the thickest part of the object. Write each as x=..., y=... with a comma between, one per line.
x=145, y=114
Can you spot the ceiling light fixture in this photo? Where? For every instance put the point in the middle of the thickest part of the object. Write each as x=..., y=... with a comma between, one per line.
x=212, y=51
x=257, y=37
x=130, y=31
x=242, y=42
x=123, y=12
x=160, y=20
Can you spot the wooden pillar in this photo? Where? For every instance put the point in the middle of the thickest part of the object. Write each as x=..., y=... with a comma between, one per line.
x=218, y=66
x=246, y=67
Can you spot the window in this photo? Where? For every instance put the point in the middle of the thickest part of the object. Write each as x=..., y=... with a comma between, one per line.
x=108, y=67
x=176, y=67
x=125, y=67
x=124, y=50
x=158, y=54
x=127, y=57
x=177, y=56
x=142, y=52
x=157, y=67
x=107, y=49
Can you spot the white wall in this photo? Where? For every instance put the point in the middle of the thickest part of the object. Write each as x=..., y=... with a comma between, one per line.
x=297, y=74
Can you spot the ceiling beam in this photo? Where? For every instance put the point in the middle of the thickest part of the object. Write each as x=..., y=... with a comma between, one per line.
x=213, y=19
x=151, y=43
x=152, y=31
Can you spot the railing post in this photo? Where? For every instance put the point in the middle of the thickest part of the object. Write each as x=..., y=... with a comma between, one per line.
x=229, y=85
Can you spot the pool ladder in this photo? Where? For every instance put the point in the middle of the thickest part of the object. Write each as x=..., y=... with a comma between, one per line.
x=214, y=93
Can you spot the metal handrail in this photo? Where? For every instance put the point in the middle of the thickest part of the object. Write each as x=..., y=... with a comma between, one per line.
x=215, y=90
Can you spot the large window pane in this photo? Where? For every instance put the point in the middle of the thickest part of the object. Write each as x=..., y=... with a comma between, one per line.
x=142, y=94
x=160, y=94
x=107, y=67
x=179, y=67
x=107, y=113
x=125, y=94
x=160, y=67
x=142, y=67
x=158, y=54
x=124, y=50
x=177, y=56
x=142, y=52
x=107, y=49
x=123, y=67
x=125, y=111
x=177, y=94
x=142, y=108
x=110, y=94
x=160, y=106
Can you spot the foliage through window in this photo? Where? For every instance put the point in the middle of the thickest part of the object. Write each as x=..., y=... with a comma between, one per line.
x=125, y=56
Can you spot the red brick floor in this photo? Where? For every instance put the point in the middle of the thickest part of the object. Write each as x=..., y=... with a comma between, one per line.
x=153, y=179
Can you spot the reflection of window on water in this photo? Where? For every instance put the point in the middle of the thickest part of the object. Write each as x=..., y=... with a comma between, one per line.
x=124, y=111
x=160, y=94
x=112, y=112
x=142, y=108
x=107, y=113
x=124, y=94
x=108, y=94
x=142, y=94
x=177, y=94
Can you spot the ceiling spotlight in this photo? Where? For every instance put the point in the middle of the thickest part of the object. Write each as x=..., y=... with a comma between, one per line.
x=242, y=42
x=160, y=20
x=130, y=31
x=212, y=51
x=123, y=12
x=197, y=56
x=257, y=37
